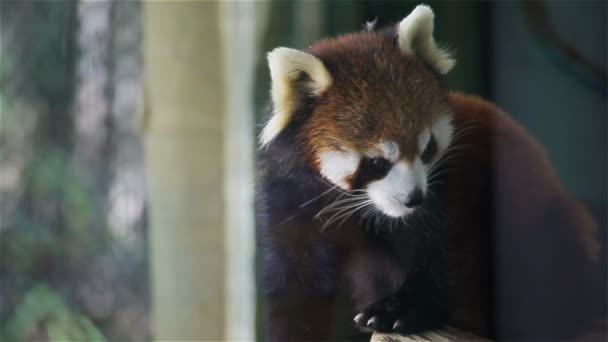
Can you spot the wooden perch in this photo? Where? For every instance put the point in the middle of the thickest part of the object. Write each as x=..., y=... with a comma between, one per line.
x=447, y=334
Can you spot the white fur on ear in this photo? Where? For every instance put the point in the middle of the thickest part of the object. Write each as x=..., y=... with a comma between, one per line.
x=416, y=38
x=286, y=66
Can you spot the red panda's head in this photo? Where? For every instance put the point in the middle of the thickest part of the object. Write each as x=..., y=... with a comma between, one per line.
x=380, y=117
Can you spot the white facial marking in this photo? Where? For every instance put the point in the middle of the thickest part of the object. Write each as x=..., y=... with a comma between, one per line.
x=390, y=150
x=443, y=130
x=423, y=139
x=337, y=165
x=390, y=193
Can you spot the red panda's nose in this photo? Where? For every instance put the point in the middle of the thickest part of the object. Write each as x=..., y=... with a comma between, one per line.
x=415, y=198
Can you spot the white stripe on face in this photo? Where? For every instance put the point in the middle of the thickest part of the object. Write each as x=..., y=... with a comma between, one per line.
x=423, y=139
x=336, y=166
x=390, y=193
x=443, y=130
x=390, y=150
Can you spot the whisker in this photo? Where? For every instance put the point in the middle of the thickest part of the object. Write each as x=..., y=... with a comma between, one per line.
x=285, y=220
x=368, y=212
x=357, y=194
x=447, y=151
x=335, y=208
x=346, y=216
x=335, y=204
x=434, y=183
x=460, y=131
x=346, y=210
x=449, y=154
x=326, y=182
x=348, y=198
x=331, y=219
x=436, y=174
x=321, y=195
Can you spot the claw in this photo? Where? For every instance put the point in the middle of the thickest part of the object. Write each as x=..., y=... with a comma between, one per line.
x=372, y=322
x=358, y=319
x=397, y=325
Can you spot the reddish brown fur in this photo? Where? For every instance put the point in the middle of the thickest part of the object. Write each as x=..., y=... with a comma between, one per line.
x=378, y=94
x=513, y=233
x=526, y=198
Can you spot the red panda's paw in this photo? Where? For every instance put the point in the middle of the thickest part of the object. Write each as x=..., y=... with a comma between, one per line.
x=391, y=316
x=382, y=316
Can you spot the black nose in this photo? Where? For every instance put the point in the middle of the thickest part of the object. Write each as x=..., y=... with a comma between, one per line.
x=415, y=198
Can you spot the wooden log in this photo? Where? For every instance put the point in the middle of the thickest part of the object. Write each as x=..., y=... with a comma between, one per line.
x=443, y=335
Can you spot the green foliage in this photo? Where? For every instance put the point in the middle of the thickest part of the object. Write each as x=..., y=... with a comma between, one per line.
x=54, y=231
x=43, y=312
x=52, y=178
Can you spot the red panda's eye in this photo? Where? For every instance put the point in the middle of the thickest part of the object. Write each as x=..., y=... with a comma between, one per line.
x=369, y=170
x=379, y=164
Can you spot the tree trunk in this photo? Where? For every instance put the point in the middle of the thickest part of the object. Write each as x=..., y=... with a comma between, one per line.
x=184, y=151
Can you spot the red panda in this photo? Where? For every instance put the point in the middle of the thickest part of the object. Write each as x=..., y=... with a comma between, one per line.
x=375, y=180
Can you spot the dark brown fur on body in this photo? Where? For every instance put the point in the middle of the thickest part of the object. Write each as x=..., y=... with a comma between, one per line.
x=491, y=235
x=544, y=251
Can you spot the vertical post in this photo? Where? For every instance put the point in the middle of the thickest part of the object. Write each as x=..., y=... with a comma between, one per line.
x=184, y=123
x=242, y=23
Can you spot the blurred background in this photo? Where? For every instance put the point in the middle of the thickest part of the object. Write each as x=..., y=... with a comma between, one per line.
x=127, y=142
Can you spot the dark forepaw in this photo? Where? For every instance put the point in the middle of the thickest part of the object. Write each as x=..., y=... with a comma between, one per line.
x=391, y=315
x=382, y=316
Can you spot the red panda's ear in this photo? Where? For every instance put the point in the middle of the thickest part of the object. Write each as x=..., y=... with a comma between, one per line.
x=288, y=69
x=415, y=37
